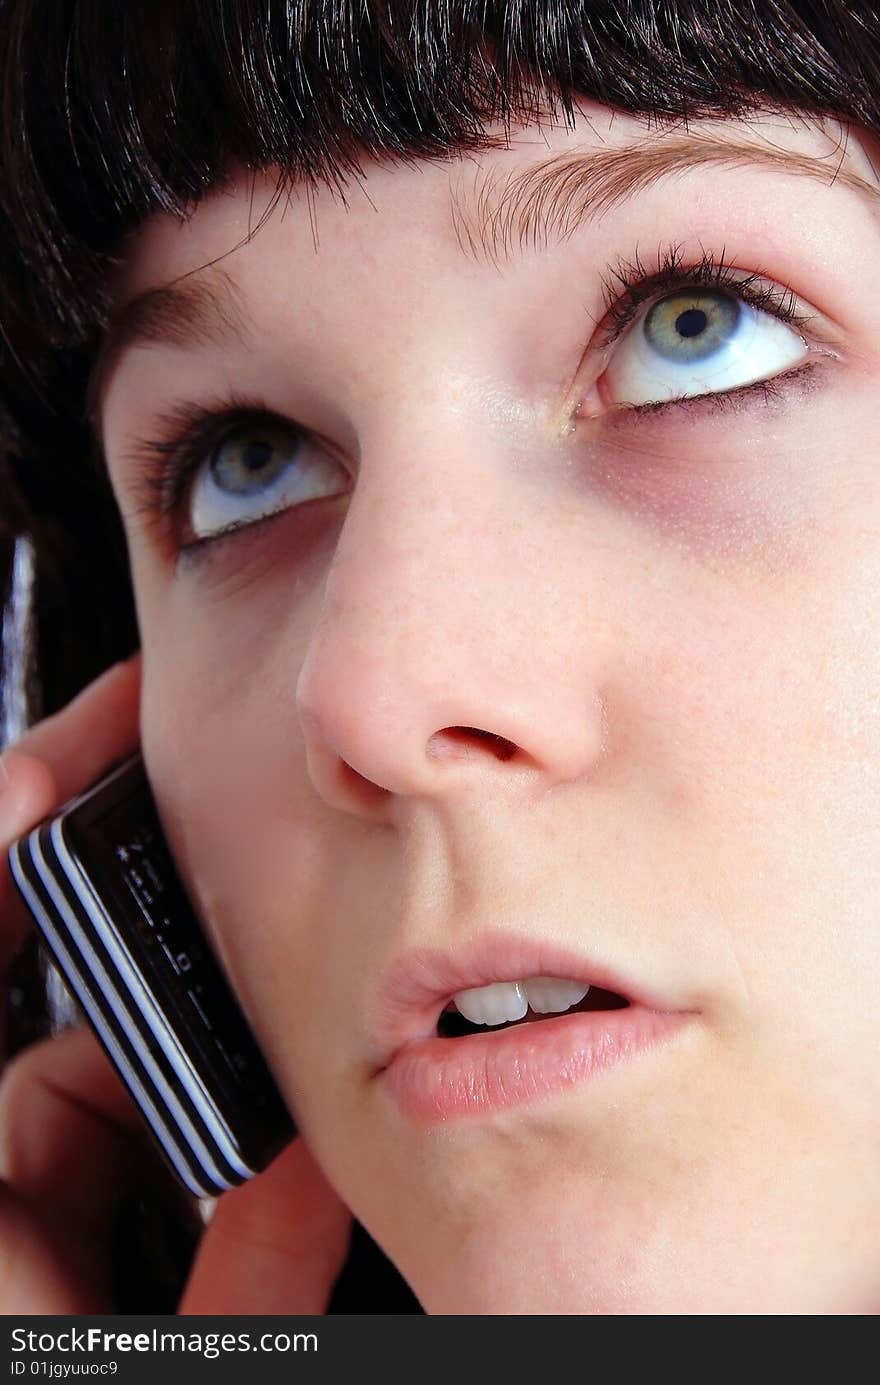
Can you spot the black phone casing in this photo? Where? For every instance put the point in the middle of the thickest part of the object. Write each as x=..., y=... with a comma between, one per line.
x=100, y=882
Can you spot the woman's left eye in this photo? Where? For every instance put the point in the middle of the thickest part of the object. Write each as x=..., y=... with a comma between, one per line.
x=695, y=342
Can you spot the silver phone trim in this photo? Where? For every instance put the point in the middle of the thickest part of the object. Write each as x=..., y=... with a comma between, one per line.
x=116, y=1002
x=163, y=1133
x=151, y=1012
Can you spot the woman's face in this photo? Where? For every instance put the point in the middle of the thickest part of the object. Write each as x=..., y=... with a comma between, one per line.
x=512, y=669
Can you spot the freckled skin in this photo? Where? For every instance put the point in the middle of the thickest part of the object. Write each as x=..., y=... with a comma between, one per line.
x=673, y=618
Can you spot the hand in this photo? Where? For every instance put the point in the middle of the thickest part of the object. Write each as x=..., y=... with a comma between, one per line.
x=69, y=1130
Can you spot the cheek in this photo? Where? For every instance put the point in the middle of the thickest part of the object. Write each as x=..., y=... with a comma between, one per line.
x=222, y=646
x=227, y=775
x=276, y=877
x=776, y=793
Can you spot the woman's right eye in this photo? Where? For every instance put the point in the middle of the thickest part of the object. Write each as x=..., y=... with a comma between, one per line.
x=254, y=471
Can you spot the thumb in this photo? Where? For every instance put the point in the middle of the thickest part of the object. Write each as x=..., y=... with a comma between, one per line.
x=274, y=1245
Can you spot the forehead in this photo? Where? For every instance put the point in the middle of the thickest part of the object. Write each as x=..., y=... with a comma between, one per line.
x=406, y=237
x=480, y=205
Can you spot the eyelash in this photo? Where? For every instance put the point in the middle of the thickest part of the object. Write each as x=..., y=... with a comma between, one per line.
x=636, y=283
x=189, y=432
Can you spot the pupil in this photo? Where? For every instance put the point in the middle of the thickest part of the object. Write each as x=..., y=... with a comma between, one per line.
x=256, y=455
x=691, y=322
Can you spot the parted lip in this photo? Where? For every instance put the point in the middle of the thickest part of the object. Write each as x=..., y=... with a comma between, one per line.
x=417, y=986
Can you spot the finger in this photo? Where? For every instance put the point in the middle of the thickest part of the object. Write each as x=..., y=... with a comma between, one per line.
x=78, y=743
x=277, y=1244
x=69, y=1137
x=58, y=1098
x=33, y=1277
x=56, y=759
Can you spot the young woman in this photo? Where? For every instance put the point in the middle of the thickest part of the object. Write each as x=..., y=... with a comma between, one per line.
x=491, y=397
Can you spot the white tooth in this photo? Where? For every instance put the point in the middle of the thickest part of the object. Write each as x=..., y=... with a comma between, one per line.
x=547, y=994
x=496, y=1004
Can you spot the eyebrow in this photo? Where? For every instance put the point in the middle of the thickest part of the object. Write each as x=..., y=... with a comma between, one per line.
x=189, y=312
x=549, y=201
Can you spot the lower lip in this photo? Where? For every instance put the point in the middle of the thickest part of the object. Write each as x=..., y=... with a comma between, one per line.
x=435, y=1079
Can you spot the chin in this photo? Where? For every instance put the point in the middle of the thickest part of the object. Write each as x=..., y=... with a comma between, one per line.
x=538, y=1254
x=603, y=1251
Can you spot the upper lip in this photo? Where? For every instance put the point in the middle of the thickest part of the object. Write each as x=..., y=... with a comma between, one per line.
x=414, y=990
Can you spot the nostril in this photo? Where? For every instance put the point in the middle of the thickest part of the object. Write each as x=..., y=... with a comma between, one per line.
x=446, y=743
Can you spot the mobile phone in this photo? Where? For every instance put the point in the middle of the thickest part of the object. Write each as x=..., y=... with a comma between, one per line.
x=99, y=880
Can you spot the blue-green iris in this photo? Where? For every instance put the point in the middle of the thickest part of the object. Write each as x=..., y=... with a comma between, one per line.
x=692, y=326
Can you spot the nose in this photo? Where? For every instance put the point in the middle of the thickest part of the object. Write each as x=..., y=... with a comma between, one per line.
x=451, y=653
